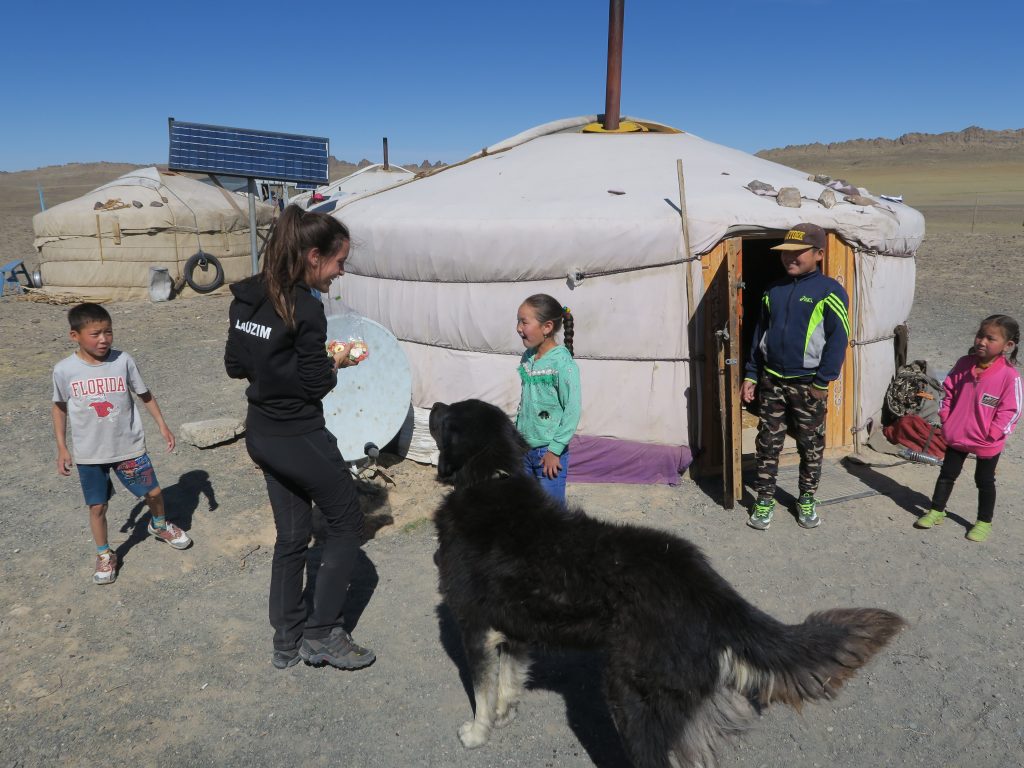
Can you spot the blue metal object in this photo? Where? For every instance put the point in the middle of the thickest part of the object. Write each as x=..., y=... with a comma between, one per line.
x=202, y=148
x=372, y=400
x=9, y=276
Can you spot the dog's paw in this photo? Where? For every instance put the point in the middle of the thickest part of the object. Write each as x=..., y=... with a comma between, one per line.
x=504, y=718
x=472, y=734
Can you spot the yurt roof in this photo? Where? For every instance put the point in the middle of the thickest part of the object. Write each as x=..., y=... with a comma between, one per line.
x=553, y=199
x=148, y=198
x=371, y=178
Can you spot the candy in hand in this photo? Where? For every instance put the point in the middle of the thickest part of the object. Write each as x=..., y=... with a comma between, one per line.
x=359, y=350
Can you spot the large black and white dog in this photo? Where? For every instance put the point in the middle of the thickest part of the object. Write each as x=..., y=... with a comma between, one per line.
x=686, y=657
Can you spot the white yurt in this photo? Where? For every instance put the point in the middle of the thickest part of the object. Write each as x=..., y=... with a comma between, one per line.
x=663, y=312
x=371, y=178
x=103, y=243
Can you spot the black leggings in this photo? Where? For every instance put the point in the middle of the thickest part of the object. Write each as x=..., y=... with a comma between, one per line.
x=300, y=470
x=984, y=478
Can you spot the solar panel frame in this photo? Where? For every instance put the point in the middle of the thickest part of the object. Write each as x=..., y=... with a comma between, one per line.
x=288, y=157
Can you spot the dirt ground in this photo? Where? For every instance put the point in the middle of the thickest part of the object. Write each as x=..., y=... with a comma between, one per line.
x=171, y=664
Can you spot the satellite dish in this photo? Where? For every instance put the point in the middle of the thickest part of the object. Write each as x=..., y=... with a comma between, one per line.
x=371, y=400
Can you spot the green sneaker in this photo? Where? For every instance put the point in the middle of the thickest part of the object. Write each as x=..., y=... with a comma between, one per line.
x=930, y=518
x=805, y=511
x=980, y=531
x=761, y=514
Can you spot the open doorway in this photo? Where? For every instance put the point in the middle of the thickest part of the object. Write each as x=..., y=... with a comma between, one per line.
x=736, y=273
x=761, y=266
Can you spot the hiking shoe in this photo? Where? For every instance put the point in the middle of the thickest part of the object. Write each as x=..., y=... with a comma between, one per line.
x=806, y=515
x=337, y=649
x=930, y=518
x=172, y=534
x=106, y=568
x=284, y=659
x=761, y=514
x=980, y=531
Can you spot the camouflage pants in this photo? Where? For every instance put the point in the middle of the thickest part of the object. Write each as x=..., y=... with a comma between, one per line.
x=784, y=404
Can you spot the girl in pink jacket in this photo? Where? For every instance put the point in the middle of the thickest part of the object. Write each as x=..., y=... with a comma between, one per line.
x=980, y=409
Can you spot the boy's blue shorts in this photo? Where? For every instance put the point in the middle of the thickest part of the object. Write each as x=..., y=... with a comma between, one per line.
x=137, y=475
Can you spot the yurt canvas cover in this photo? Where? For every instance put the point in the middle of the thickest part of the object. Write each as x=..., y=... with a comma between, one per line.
x=444, y=261
x=103, y=243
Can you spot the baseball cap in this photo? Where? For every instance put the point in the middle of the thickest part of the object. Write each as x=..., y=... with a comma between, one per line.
x=803, y=236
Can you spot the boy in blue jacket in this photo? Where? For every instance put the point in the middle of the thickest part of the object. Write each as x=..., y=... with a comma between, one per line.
x=799, y=347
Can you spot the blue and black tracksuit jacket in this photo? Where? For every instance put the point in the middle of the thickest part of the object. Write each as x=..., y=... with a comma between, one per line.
x=802, y=331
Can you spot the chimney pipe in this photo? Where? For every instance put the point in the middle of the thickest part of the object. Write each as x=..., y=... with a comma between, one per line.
x=614, y=83
x=386, y=166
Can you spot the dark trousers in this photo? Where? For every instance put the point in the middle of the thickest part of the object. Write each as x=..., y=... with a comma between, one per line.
x=301, y=470
x=984, y=478
x=782, y=404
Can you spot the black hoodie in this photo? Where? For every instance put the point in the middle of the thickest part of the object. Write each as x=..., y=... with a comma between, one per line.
x=288, y=369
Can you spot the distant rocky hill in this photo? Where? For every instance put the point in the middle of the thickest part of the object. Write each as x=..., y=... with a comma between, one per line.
x=970, y=145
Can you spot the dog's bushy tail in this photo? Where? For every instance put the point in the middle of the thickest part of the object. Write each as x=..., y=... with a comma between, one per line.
x=808, y=661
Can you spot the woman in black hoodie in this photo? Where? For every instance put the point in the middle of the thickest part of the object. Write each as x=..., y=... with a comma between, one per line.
x=277, y=340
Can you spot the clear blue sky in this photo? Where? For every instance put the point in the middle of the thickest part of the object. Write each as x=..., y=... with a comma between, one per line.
x=88, y=81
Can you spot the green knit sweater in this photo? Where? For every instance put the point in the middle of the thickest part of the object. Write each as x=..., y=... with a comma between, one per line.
x=549, y=409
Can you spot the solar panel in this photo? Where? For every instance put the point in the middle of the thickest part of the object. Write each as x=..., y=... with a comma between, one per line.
x=244, y=152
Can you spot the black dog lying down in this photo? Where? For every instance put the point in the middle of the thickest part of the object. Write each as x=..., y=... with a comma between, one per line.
x=685, y=655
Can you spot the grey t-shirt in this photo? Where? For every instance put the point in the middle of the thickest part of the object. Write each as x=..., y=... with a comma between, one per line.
x=105, y=424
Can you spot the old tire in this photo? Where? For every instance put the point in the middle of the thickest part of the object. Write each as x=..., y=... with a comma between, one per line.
x=203, y=273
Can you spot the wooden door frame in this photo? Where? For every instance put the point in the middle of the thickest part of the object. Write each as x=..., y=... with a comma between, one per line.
x=840, y=264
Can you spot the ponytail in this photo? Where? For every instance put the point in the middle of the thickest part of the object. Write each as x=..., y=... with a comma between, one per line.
x=284, y=259
x=567, y=325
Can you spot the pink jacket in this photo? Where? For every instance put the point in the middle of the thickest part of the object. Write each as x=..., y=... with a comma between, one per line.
x=979, y=413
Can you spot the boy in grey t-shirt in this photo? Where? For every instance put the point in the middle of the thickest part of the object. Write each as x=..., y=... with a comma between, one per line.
x=92, y=391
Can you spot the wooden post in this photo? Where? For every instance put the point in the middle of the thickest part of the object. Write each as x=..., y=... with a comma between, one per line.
x=99, y=236
x=693, y=337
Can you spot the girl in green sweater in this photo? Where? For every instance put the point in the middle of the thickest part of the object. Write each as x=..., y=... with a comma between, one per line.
x=549, y=408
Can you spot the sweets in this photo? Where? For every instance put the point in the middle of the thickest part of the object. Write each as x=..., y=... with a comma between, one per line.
x=357, y=352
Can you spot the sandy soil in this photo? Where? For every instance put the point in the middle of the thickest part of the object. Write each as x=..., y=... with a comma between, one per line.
x=171, y=665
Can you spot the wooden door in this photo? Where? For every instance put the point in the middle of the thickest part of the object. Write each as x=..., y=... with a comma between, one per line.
x=721, y=449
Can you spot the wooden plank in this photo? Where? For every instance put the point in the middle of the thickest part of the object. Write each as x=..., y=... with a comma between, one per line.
x=691, y=299
x=709, y=450
x=839, y=265
x=734, y=408
x=99, y=236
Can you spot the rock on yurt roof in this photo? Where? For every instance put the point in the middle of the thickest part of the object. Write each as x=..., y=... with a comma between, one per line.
x=104, y=242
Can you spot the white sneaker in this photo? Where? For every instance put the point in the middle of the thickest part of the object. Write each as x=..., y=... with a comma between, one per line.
x=172, y=534
x=106, y=568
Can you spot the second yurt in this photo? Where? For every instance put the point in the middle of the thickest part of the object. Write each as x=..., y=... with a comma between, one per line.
x=104, y=243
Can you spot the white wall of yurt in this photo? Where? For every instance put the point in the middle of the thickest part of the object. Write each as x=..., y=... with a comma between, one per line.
x=445, y=260
x=103, y=243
